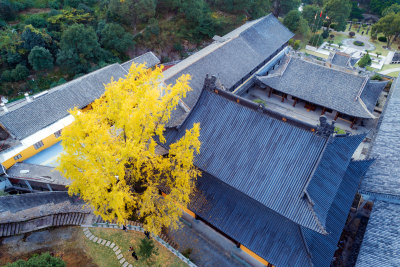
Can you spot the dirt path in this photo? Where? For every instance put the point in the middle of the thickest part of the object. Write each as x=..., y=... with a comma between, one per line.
x=64, y=242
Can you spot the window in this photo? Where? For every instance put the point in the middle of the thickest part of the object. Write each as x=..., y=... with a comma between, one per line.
x=38, y=145
x=57, y=134
x=17, y=157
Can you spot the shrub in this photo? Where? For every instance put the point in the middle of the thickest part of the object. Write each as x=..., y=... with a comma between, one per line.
x=325, y=34
x=296, y=45
x=331, y=36
x=260, y=101
x=36, y=21
x=382, y=39
x=358, y=43
x=365, y=61
x=44, y=259
x=377, y=77
x=352, y=34
x=333, y=26
x=146, y=249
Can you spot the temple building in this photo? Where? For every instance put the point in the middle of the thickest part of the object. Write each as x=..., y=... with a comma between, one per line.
x=380, y=244
x=320, y=87
x=32, y=124
x=277, y=187
x=232, y=58
x=275, y=182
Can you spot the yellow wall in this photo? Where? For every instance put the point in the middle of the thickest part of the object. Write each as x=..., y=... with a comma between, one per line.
x=31, y=151
x=254, y=255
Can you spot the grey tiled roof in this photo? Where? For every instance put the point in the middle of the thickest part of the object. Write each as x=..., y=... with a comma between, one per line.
x=324, y=86
x=260, y=156
x=263, y=231
x=25, y=119
x=383, y=176
x=53, y=106
x=149, y=58
x=244, y=49
x=371, y=93
x=341, y=59
x=39, y=173
x=33, y=205
x=381, y=242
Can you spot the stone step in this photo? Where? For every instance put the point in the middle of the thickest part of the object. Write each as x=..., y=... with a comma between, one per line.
x=122, y=260
x=125, y=264
x=119, y=256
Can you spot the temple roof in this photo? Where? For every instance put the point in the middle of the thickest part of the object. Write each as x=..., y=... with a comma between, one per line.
x=322, y=247
x=267, y=159
x=341, y=59
x=383, y=176
x=271, y=236
x=335, y=89
x=232, y=57
x=26, y=118
x=381, y=243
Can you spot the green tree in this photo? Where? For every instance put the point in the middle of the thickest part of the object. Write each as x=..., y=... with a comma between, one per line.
x=365, y=61
x=378, y=6
x=146, y=249
x=309, y=12
x=40, y=58
x=7, y=11
x=288, y=5
x=395, y=8
x=114, y=38
x=10, y=40
x=292, y=20
x=297, y=24
x=282, y=7
x=338, y=12
x=356, y=12
x=43, y=260
x=259, y=8
x=36, y=20
x=34, y=37
x=20, y=73
x=198, y=16
x=389, y=25
x=78, y=48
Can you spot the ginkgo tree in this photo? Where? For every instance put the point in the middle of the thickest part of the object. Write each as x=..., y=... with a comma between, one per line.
x=110, y=152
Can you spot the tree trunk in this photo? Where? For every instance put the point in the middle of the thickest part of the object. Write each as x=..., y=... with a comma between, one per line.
x=389, y=40
x=276, y=8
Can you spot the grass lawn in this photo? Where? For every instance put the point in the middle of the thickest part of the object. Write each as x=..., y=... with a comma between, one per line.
x=339, y=37
x=390, y=66
x=104, y=256
x=313, y=53
x=394, y=74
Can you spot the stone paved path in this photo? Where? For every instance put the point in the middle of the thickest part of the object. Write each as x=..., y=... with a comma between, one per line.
x=109, y=244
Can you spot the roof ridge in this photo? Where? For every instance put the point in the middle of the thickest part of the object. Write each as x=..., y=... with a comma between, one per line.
x=315, y=216
x=365, y=108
